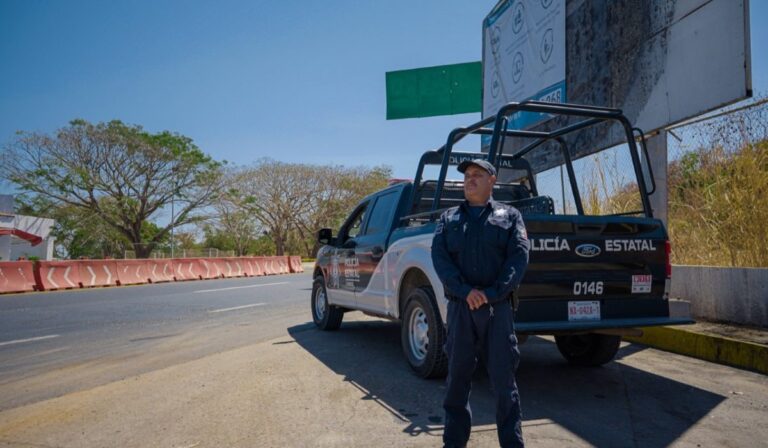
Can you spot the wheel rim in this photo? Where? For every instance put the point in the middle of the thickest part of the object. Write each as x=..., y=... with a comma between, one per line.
x=320, y=304
x=418, y=334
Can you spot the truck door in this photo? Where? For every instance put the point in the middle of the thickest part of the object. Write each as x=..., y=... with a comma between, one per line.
x=344, y=269
x=370, y=290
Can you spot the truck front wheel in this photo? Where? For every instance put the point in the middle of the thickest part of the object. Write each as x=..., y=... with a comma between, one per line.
x=588, y=349
x=422, y=334
x=326, y=317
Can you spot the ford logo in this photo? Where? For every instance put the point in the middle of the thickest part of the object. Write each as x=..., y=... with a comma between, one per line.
x=587, y=250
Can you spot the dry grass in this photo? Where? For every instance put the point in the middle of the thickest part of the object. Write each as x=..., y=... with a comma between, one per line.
x=718, y=193
x=718, y=207
x=605, y=190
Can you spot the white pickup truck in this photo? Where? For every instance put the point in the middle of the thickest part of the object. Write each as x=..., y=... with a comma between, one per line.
x=590, y=278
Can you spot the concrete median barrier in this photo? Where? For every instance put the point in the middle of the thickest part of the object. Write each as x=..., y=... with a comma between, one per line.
x=160, y=271
x=23, y=276
x=132, y=272
x=228, y=267
x=54, y=275
x=295, y=264
x=266, y=265
x=95, y=273
x=252, y=267
x=209, y=270
x=284, y=267
x=17, y=276
x=187, y=269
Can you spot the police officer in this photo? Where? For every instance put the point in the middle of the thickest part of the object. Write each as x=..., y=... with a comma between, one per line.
x=480, y=252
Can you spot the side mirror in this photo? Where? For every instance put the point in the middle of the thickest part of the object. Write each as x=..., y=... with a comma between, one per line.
x=325, y=236
x=645, y=162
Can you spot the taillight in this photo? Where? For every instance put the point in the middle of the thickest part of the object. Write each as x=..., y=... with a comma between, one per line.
x=667, y=254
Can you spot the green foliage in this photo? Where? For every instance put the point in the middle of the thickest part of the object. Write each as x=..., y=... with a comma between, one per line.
x=113, y=176
x=291, y=201
x=217, y=238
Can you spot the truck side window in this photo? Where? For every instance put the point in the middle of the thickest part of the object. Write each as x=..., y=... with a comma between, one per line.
x=353, y=227
x=381, y=215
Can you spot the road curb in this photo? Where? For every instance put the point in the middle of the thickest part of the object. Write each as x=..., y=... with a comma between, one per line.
x=719, y=349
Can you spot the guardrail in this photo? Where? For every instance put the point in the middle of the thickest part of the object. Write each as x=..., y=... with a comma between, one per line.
x=25, y=276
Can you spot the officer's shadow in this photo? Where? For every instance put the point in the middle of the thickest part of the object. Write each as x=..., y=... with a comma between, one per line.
x=605, y=406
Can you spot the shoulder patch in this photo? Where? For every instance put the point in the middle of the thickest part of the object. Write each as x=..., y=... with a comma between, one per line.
x=501, y=219
x=522, y=232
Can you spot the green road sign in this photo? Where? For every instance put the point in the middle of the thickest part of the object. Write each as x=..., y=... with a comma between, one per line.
x=431, y=91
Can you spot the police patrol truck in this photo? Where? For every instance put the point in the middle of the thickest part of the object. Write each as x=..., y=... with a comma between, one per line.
x=590, y=280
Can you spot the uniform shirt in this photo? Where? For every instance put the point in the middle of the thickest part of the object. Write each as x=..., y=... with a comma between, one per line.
x=488, y=253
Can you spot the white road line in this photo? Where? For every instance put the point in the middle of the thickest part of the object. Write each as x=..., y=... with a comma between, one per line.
x=21, y=341
x=240, y=287
x=237, y=308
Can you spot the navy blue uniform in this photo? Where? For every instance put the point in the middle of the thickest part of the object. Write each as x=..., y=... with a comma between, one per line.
x=489, y=253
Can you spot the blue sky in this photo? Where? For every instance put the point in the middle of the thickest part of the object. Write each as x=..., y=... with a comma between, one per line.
x=297, y=81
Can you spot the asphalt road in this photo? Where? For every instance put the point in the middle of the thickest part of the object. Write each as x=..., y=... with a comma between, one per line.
x=55, y=343
x=238, y=363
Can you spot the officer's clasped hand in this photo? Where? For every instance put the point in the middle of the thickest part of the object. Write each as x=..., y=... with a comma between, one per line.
x=476, y=299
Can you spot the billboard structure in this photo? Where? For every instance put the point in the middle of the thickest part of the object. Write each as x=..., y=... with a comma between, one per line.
x=524, y=56
x=660, y=61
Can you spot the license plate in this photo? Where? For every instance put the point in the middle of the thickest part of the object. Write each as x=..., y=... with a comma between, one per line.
x=586, y=310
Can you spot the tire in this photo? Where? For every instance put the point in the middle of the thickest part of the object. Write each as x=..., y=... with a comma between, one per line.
x=588, y=349
x=326, y=317
x=422, y=334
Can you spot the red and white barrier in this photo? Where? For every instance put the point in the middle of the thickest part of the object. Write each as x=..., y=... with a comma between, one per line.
x=253, y=268
x=231, y=267
x=209, y=269
x=132, y=272
x=21, y=276
x=53, y=275
x=17, y=276
x=295, y=264
x=187, y=269
x=160, y=271
x=97, y=273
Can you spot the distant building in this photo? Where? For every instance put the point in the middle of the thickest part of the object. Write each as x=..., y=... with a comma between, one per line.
x=23, y=236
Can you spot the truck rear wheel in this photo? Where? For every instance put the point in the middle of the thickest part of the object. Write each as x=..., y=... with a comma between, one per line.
x=588, y=349
x=422, y=334
x=326, y=317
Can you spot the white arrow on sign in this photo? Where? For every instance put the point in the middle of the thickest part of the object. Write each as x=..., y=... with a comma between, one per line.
x=50, y=279
x=109, y=274
x=21, y=273
x=93, y=275
x=66, y=276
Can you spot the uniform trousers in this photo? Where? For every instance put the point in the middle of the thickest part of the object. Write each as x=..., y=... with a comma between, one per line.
x=486, y=334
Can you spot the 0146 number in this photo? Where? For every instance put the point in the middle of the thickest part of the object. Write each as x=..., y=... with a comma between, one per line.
x=584, y=288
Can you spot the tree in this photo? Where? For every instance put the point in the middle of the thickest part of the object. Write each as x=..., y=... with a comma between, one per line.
x=119, y=174
x=288, y=198
x=336, y=191
x=240, y=225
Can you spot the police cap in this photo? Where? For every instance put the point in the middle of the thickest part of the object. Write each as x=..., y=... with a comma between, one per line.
x=479, y=162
